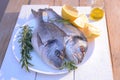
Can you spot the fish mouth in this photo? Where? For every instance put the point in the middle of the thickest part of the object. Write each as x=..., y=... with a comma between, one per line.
x=55, y=54
x=79, y=57
x=76, y=48
x=58, y=62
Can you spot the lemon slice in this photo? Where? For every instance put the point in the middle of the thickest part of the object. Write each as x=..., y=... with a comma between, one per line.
x=69, y=12
x=80, y=21
x=91, y=32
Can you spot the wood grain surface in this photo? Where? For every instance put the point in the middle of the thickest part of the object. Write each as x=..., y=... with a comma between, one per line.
x=113, y=24
x=3, y=5
x=43, y=2
x=112, y=15
x=7, y=24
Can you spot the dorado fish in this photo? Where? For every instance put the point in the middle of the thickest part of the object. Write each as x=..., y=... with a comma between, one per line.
x=48, y=41
x=75, y=41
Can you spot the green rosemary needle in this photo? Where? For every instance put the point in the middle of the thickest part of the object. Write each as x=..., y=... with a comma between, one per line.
x=26, y=46
x=69, y=65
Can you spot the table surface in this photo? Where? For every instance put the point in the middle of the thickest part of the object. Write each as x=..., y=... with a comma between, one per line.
x=112, y=18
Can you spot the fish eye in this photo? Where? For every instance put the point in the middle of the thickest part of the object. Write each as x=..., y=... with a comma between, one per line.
x=50, y=42
x=82, y=49
x=57, y=53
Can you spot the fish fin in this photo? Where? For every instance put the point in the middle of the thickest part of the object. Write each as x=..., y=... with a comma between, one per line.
x=36, y=41
x=67, y=38
x=39, y=40
x=34, y=12
x=37, y=13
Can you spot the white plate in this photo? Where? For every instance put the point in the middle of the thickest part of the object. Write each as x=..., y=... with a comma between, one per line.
x=39, y=65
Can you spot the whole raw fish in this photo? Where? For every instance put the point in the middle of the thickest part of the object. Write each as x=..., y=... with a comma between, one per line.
x=48, y=41
x=75, y=41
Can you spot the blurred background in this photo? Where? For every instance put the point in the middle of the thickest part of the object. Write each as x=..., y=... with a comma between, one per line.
x=3, y=4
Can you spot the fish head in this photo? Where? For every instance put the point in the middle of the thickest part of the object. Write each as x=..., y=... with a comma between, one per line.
x=51, y=14
x=40, y=14
x=76, y=48
x=55, y=54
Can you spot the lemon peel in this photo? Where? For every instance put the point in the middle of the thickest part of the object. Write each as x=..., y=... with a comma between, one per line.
x=69, y=12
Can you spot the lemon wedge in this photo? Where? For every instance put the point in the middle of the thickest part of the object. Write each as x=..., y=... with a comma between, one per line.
x=69, y=12
x=91, y=32
x=80, y=21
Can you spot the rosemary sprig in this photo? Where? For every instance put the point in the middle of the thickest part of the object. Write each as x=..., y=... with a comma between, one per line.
x=26, y=46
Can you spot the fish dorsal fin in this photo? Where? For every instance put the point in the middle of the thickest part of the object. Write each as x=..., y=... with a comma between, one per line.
x=34, y=12
x=39, y=40
x=37, y=14
x=67, y=38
